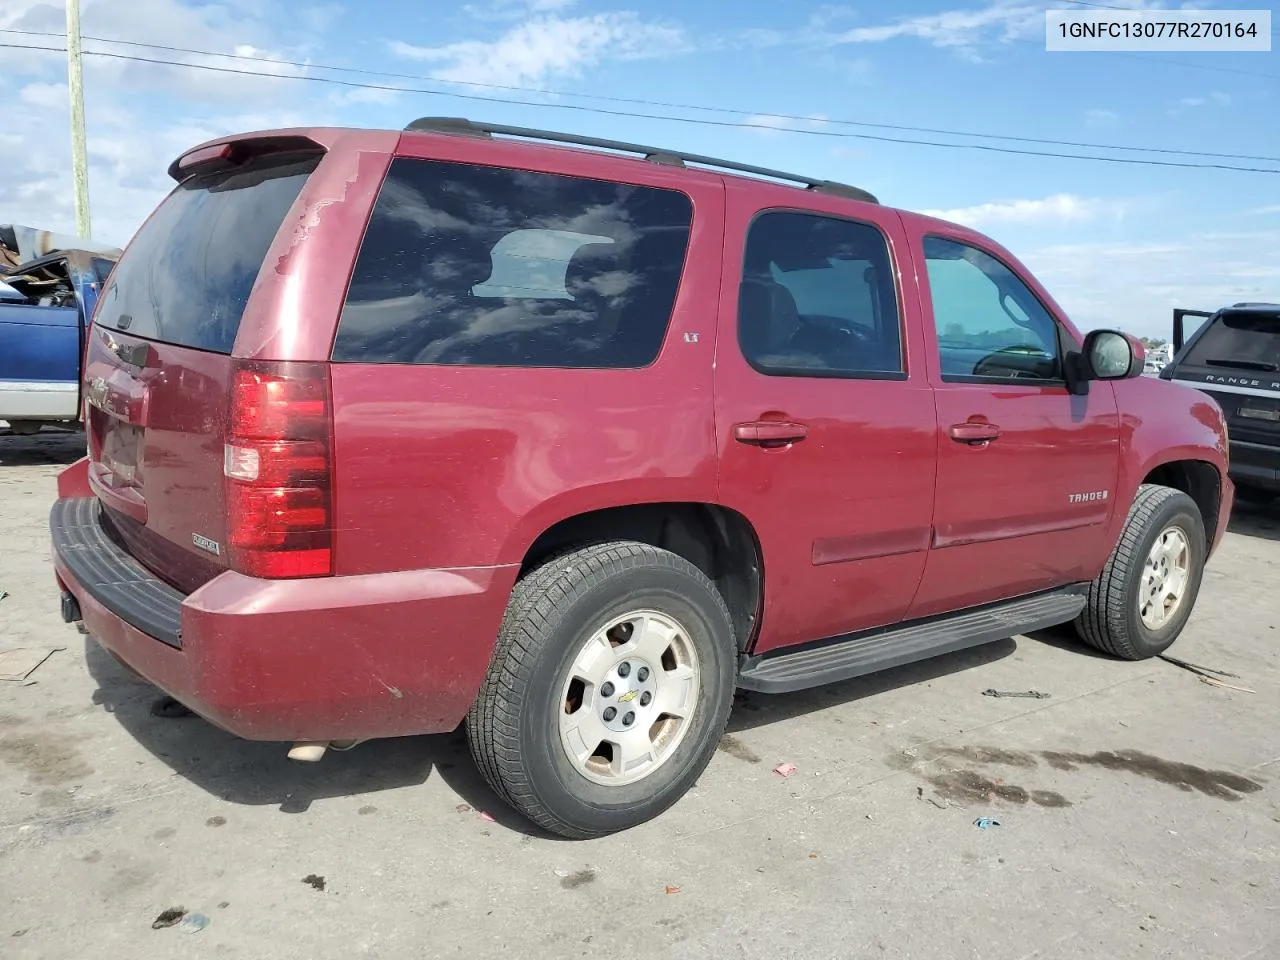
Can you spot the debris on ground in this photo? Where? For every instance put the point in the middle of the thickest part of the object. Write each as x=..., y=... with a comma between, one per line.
x=19, y=664
x=671, y=890
x=193, y=923
x=985, y=823
x=486, y=816
x=4, y=594
x=216, y=822
x=168, y=918
x=1222, y=683
x=940, y=806
x=1196, y=668
x=314, y=881
x=1208, y=675
x=463, y=808
x=1033, y=694
x=785, y=770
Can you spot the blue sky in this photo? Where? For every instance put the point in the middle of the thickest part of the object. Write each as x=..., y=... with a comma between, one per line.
x=1118, y=245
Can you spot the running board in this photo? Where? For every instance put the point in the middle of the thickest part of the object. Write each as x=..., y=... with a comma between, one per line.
x=856, y=654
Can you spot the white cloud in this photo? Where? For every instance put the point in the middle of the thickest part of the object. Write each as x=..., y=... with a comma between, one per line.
x=1101, y=118
x=1136, y=285
x=1191, y=103
x=130, y=142
x=514, y=9
x=546, y=47
x=967, y=30
x=956, y=28
x=1059, y=208
x=1273, y=208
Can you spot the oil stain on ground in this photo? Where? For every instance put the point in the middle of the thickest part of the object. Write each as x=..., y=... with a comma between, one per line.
x=969, y=786
x=46, y=758
x=579, y=879
x=941, y=766
x=736, y=748
x=1221, y=784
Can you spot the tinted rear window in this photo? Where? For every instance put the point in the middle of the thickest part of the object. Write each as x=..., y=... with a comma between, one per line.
x=187, y=274
x=1251, y=339
x=490, y=266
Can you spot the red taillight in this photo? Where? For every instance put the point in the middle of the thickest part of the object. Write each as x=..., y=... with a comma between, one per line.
x=277, y=463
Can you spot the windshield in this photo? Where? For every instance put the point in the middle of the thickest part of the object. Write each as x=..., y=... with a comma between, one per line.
x=186, y=276
x=1245, y=340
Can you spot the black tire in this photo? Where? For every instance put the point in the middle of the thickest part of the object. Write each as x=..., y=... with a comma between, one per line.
x=1111, y=621
x=513, y=726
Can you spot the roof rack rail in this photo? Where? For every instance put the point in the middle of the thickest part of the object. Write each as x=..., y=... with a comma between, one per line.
x=459, y=126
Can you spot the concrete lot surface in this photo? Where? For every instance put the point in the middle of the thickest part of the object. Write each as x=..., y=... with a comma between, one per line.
x=1139, y=810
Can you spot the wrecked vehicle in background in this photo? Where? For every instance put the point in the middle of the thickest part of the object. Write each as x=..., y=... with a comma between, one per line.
x=45, y=308
x=19, y=244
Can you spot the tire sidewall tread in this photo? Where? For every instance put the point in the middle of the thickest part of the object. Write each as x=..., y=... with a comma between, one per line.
x=512, y=726
x=1110, y=620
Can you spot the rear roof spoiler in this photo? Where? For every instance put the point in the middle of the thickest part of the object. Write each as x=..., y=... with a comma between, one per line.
x=220, y=154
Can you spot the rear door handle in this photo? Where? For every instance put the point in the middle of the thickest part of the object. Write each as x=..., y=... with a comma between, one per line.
x=974, y=434
x=769, y=433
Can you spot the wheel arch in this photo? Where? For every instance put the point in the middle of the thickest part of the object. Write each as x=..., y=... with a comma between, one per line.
x=717, y=540
x=1198, y=479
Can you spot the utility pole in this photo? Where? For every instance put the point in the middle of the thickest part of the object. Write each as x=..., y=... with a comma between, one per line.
x=75, y=86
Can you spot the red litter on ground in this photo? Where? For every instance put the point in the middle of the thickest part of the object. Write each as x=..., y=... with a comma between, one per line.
x=785, y=770
x=485, y=815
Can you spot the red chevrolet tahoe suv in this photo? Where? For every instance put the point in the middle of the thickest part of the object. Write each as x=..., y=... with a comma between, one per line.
x=567, y=439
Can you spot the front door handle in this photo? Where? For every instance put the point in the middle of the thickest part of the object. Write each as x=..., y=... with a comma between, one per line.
x=974, y=433
x=769, y=433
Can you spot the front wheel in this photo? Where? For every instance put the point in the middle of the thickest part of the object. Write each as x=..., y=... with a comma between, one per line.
x=608, y=691
x=1140, y=602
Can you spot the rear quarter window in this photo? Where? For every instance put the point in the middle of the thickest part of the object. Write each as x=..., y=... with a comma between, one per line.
x=489, y=266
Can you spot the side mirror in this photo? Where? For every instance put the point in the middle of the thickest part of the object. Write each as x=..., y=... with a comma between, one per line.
x=1111, y=355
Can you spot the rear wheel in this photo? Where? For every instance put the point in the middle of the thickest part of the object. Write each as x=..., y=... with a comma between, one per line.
x=608, y=691
x=1140, y=602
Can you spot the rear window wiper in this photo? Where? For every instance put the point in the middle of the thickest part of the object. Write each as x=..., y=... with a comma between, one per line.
x=1243, y=364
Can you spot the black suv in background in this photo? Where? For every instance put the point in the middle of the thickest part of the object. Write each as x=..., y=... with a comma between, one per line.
x=1234, y=356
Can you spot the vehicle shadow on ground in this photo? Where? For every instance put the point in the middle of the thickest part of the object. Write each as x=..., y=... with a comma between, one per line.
x=751, y=710
x=1254, y=521
x=260, y=774
x=47, y=448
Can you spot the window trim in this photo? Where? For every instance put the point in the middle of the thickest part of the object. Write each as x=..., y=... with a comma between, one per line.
x=1060, y=330
x=808, y=372
x=416, y=158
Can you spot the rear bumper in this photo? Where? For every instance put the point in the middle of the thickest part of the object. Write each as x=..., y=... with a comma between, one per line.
x=333, y=658
x=1255, y=465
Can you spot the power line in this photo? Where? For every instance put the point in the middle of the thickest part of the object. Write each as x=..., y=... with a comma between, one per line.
x=652, y=116
x=670, y=105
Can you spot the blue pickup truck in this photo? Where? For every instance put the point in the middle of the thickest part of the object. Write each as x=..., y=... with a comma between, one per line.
x=45, y=308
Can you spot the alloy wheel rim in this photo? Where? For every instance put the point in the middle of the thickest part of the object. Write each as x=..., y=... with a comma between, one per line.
x=1165, y=577
x=630, y=698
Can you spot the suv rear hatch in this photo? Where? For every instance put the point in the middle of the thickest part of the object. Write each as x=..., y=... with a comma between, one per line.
x=168, y=409
x=1235, y=357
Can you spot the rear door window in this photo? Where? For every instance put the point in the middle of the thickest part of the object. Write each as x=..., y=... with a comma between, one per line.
x=489, y=266
x=186, y=276
x=817, y=298
x=1240, y=341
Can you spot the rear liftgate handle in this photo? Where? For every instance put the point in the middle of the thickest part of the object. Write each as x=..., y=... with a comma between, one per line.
x=769, y=433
